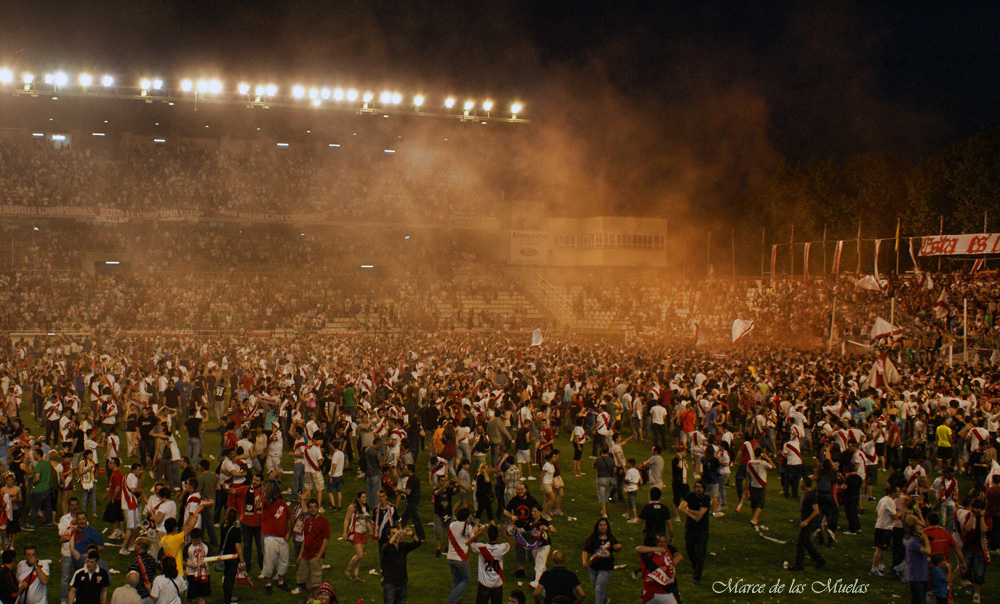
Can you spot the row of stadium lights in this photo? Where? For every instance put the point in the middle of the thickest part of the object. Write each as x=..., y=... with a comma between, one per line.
x=261, y=91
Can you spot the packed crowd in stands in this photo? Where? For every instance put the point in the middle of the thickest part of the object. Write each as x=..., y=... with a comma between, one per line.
x=334, y=183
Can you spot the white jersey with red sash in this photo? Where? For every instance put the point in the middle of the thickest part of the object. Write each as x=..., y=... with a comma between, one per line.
x=855, y=436
x=793, y=453
x=840, y=438
x=977, y=437
x=490, y=562
x=458, y=534
x=758, y=473
x=946, y=489
x=6, y=511
x=747, y=452
x=314, y=458
x=912, y=474
x=868, y=453
x=129, y=501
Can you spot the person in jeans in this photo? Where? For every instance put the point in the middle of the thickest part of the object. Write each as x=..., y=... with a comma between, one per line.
x=459, y=531
x=605, y=467
x=696, y=507
x=394, y=576
x=41, y=496
x=599, y=558
x=811, y=520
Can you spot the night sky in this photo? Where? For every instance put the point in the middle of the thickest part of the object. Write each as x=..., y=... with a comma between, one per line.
x=658, y=95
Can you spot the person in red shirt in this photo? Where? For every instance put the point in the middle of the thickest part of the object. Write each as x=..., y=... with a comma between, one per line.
x=113, y=512
x=943, y=542
x=249, y=503
x=316, y=531
x=993, y=511
x=276, y=530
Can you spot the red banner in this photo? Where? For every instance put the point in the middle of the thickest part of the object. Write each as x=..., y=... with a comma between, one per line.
x=960, y=245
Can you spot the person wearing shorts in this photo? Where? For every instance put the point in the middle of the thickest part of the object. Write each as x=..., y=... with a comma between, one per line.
x=310, y=560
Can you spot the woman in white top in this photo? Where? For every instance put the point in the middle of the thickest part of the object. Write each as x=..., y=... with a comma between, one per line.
x=169, y=584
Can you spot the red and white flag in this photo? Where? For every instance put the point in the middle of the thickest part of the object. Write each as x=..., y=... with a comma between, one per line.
x=836, y=256
x=740, y=329
x=941, y=307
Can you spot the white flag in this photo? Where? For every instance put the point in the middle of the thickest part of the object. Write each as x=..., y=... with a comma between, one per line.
x=536, y=337
x=883, y=329
x=740, y=329
x=941, y=307
x=870, y=283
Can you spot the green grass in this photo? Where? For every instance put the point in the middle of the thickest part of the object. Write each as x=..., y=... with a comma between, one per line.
x=735, y=551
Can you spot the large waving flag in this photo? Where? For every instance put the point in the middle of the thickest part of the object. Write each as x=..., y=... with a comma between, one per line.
x=740, y=329
x=941, y=307
x=883, y=329
x=536, y=337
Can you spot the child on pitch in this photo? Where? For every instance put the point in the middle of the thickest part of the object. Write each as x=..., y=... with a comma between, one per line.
x=631, y=488
x=199, y=585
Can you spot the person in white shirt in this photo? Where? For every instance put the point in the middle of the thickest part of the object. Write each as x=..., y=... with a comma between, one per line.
x=548, y=476
x=314, y=463
x=34, y=573
x=578, y=437
x=275, y=447
x=886, y=516
x=658, y=415
x=632, y=480
x=169, y=584
x=335, y=481
x=459, y=533
x=757, y=469
x=491, y=555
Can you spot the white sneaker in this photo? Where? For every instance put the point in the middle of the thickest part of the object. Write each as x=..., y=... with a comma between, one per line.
x=296, y=591
x=123, y=552
x=531, y=478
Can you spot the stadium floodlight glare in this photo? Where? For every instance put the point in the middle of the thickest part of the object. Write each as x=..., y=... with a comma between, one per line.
x=338, y=94
x=469, y=105
x=215, y=86
x=397, y=98
x=259, y=90
x=48, y=79
x=60, y=79
x=315, y=102
x=158, y=83
x=487, y=105
x=85, y=79
x=202, y=86
x=28, y=79
x=368, y=97
x=313, y=93
x=243, y=88
x=272, y=90
x=6, y=76
x=449, y=102
x=385, y=97
x=352, y=95
x=145, y=84
x=418, y=100
x=324, y=94
x=107, y=81
x=186, y=85
x=298, y=91
x=516, y=108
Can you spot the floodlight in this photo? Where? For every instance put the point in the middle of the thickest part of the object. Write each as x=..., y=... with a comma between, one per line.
x=28, y=79
x=186, y=85
x=469, y=105
x=107, y=81
x=243, y=88
x=145, y=84
x=158, y=83
x=352, y=95
x=384, y=98
x=215, y=86
x=86, y=80
x=324, y=94
x=48, y=79
x=259, y=90
x=202, y=86
x=6, y=76
x=315, y=102
x=418, y=100
x=272, y=90
x=313, y=93
x=338, y=94
x=487, y=105
x=396, y=98
x=298, y=92
x=368, y=97
x=60, y=79
x=449, y=102
x=515, y=108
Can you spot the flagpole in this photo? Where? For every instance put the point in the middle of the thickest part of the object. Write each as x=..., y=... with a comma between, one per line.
x=791, y=254
x=941, y=232
x=833, y=316
x=858, y=271
x=708, y=253
x=897, y=245
x=763, y=246
x=965, y=330
x=824, y=249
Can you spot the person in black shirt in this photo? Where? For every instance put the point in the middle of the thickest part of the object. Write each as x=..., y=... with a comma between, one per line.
x=695, y=506
x=443, y=497
x=853, y=484
x=519, y=510
x=412, y=491
x=810, y=514
x=559, y=581
x=394, y=577
x=678, y=477
x=232, y=543
x=147, y=422
x=655, y=519
x=193, y=424
x=599, y=558
x=8, y=578
x=89, y=585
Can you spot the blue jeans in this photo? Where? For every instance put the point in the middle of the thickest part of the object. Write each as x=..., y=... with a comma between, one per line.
x=459, y=580
x=372, y=486
x=393, y=594
x=599, y=579
x=67, y=574
x=89, y=495
x=194, y=451
x=40, y=502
